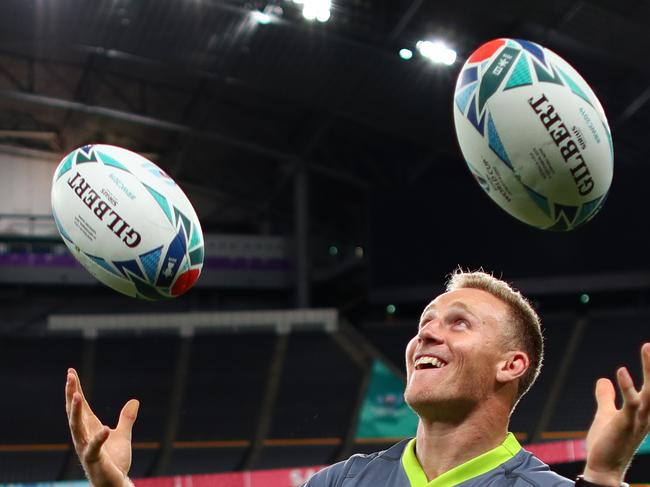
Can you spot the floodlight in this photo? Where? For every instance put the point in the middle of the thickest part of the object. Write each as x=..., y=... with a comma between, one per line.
x=309, y=11
x=323, y=15
x=437, y=52
x=261, y=17
x=316, y=9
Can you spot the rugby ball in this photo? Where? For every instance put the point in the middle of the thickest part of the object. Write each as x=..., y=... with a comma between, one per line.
x=127, y=222
x=533, y=134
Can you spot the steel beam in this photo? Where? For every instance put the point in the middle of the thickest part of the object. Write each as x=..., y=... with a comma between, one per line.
x=162, y=463
x=268, y=403
x=634, y=106
x=301, y=237
x=405, y=19
x=9, y=75
x=147, y=121
x=553, y=395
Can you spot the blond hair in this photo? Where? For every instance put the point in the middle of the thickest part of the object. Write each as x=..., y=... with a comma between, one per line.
x=525, y=323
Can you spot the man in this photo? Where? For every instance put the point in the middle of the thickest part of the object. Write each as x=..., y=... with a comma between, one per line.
x=477, y=350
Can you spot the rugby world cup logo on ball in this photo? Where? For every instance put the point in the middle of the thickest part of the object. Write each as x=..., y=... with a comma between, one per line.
x=533, y=134
x=127, y=222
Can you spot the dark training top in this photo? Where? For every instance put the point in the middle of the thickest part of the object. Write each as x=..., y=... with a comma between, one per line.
x=507, y=465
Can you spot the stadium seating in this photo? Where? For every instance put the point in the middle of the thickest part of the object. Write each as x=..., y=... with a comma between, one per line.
x=31, y=466
x=206, y=460
x=135, y=367
x=225, y=386
x=318, y=389
x=557, y=330
x=32, y=417
x=32, y=378
x=611, y=339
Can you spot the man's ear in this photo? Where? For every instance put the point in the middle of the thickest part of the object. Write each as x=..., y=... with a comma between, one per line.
x=515, y=363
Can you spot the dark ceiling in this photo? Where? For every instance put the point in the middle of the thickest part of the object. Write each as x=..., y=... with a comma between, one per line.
x=233, y=109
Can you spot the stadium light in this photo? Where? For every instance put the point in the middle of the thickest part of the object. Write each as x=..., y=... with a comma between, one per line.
x=323, y=15
x=260, y=17
x=316, y=9
x=405, y=54
x=437, y=52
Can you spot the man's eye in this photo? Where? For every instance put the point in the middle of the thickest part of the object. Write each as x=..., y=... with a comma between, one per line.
x=461, y=323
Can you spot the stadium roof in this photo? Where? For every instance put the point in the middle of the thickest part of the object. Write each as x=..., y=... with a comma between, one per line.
x=232, y=108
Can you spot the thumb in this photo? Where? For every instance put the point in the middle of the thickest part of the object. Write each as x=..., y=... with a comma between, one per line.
x=128, y=416
x=605, y=396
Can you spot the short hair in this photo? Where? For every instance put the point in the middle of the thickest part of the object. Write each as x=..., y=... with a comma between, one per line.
x=526, y=329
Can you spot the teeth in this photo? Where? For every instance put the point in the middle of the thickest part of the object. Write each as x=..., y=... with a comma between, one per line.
x=433, y=361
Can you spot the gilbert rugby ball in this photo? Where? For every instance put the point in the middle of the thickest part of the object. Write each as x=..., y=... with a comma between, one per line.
x=127, y=222
x=533, y=134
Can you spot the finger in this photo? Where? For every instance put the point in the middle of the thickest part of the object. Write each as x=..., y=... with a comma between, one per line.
x=77, y=384
x=77, y=427
x=74, y=387
x=68, y=393
x=95, y=444
x=645, y=361
x=71, y=388
x=631, y=399
x=605, y=396
x=128, y=415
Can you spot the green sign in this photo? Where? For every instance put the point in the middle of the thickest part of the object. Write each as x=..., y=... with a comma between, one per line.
x=384, y=413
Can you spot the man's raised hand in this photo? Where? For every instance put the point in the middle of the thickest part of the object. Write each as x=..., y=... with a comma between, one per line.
x=105, y=453
x=615, y=434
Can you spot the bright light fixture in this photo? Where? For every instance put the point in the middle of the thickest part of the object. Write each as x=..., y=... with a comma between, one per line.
x=405, y=54
x=309, y=11
x=437, y=52
x=260, y=17
x=316, y=9
x=323, y=15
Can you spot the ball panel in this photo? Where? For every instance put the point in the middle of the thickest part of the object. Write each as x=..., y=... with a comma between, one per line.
x=185, y=281
x=486, y=51
x=104, y=273
x=172, y=261
x=521, y=75
x=65, y=166
x=150, y=262
x=103, y=264
x=162, y=202
x=463, y=96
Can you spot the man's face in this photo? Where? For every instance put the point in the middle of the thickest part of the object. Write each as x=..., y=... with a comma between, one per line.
x=451, y=363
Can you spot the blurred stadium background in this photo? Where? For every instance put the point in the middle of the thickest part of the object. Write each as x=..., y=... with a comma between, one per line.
x=321, y=159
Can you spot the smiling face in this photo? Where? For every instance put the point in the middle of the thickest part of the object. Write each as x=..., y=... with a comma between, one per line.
x=453, y=361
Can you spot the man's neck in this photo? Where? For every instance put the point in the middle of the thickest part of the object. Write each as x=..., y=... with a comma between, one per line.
x=442, y=446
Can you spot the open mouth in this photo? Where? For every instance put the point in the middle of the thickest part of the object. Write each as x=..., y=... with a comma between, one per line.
x=428, y=362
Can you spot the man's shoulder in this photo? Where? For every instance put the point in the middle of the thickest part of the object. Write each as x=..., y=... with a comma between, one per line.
x=362, y=469
x=525, y=469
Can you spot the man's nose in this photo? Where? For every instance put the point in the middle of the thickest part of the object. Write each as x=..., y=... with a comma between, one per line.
x=431, y=331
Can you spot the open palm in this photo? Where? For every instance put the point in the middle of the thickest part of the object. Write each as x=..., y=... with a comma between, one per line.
x=615, y=434
x=105, y=453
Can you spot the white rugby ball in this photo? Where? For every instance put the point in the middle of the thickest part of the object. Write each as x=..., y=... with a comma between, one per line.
x=533, y=134
x=127, y=222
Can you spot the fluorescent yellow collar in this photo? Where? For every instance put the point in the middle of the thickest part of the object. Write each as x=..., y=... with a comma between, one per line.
x=468, y=470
